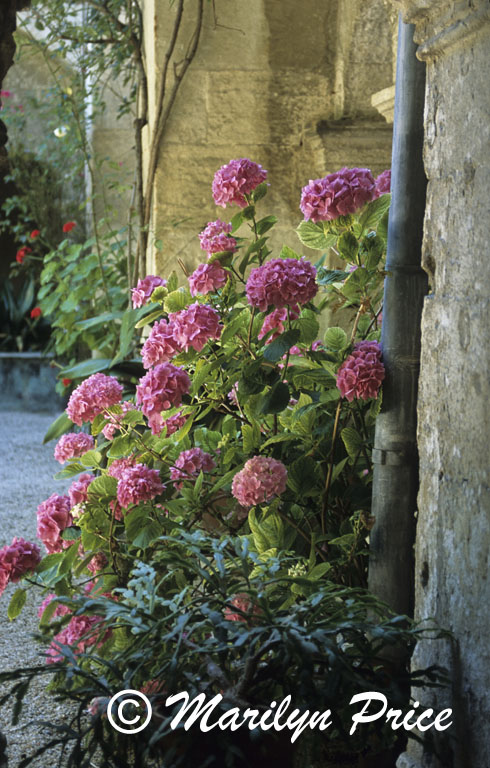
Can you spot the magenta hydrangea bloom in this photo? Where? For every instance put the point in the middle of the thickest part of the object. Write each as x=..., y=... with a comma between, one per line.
x=118, y=466
x=215, y=238
x=174, y=423
x=244, y=608
x=72, y=445
x=53, y=516
x=260, y=480
x=97, y=563
x=275, y=322
x=360, y=375
x=281, y=282
x=195, y=326
x=207, y=278
x=93, y=396
x=233, y=394
x=114, y=425
x=383, y=183
x=189, y=464
x=337, y=194
x=78, y=634
x=17, y=559
x=60, y=610
x=235, y=180
x=161, y=345
x=77, y=491
x=159, y=390
x=138, y=483
x=145, y=287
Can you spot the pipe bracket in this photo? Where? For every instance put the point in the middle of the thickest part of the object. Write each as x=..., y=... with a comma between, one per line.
x=391, y=457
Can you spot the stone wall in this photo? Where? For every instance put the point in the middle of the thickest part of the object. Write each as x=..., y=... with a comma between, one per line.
x=453, y=532
x=287, y=84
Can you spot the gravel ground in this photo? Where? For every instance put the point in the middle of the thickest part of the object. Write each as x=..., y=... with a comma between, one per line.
x=26, y=478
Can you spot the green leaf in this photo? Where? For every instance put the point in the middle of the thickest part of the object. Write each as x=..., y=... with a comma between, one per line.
x=120, y=446
x=288, y=253
x=348, y=246
x=319, y=571
x=236, y=221
x=91, y=459
x=126, y=334
x=352, y=441
x=375, y=249
x=172, y=282
x=265, y=224
x=281, y=345
x=17, y=603
x=251, y=437
x=93, y=322
x=260, y=539
x=329, y=276
x=277, y=399
x=147, y=535
x=71, y=534
x=335, y=338
x=303, y=477
x=259, y=192
x=374, y=211
x=313, y=236
x=148, y=319
x=59, y=426
x=104, y=486
x=177, y=300
x=249, y=212
x=85, y=368
x=308, y=326
x=73, y=468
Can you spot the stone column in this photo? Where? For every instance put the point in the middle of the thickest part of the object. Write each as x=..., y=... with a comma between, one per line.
x=453, y=533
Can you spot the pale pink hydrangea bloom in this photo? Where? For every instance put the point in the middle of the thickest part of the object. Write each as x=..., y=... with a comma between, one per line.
x=282, y=282
x=275, y=321
x=145, y=287
x=161, y=345
x=93, y=396
x=207, y=278
x=17, y=559
x=174, y=423
x=189, y=464
x=360, y=375
x=138, y=483
x=383, y=183
x=215, y=238
x=114, y=425
x=337, y=194
x=118, y=466
x=235, y=180
x=53, y=516
x=242, y=603
x=195, y=326
x=78, y=634
x=159, y=390
x=260, y=480
x=60, y=610
x=72, y=445
x=233, y=394
x=79, y=488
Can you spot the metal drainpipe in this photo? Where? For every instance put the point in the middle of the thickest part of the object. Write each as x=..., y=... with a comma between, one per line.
x=395, y=481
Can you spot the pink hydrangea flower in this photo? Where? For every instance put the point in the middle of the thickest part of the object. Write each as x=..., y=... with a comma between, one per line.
x=189, y=464
x=337, y=194
x=195, y=326
x=260, y=480
x=93, y=396
x=145, y=287
x=114, y=425
x=160, y=389
x=383, y=183
x=361, y=374
x=281, y=282
x=118, y=466
x=138, y=483
x=233, y=394
x=161, y=345
x=235, y=180
x=215, y=238
x=207, y=278
x=174, y=423
x=97, y=563
x=78, y=634
x=72, y=445
x=245, y=608
x=17, y=559
x=275, y=322
x=60, y=610
x=53, y=516
x=78, y=489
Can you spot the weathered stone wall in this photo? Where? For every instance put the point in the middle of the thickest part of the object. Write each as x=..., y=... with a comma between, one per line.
x=287, y=84
x=453, y=532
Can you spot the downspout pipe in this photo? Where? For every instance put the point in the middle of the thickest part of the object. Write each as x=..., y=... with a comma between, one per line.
x=395, y=477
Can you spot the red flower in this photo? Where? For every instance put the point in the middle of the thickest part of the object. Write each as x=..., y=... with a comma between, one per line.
x=66, y=382
x=35, y=233
x=22, y=253
x=68, y=226
x=36, y=312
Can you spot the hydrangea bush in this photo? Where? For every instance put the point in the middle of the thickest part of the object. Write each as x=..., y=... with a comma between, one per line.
x=220, y=505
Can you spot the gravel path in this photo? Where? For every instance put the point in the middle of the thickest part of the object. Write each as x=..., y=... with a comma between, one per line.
x=26, y=478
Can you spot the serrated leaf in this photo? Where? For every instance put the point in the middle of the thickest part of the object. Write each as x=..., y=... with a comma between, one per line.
x=263, y=225
x=260, y=540
x=348, y=246
x=73, y=468
x=308, y=326
x=352, y=441
x=148, y=319
x=374, y=211
x=335, y=338
x=329, y=276
x=276, y=349
x=172, y=282
x=277, y=399
x=236, y=221
x=177, y=300
x=260, y=191
x=251, y=437
x=288, y=253
x=91, y=459
x=17, y=602
x=103, y=486
x=59, y=426
x=313, y=236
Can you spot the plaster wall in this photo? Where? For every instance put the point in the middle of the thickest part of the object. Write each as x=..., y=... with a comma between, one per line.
x=453, y=532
